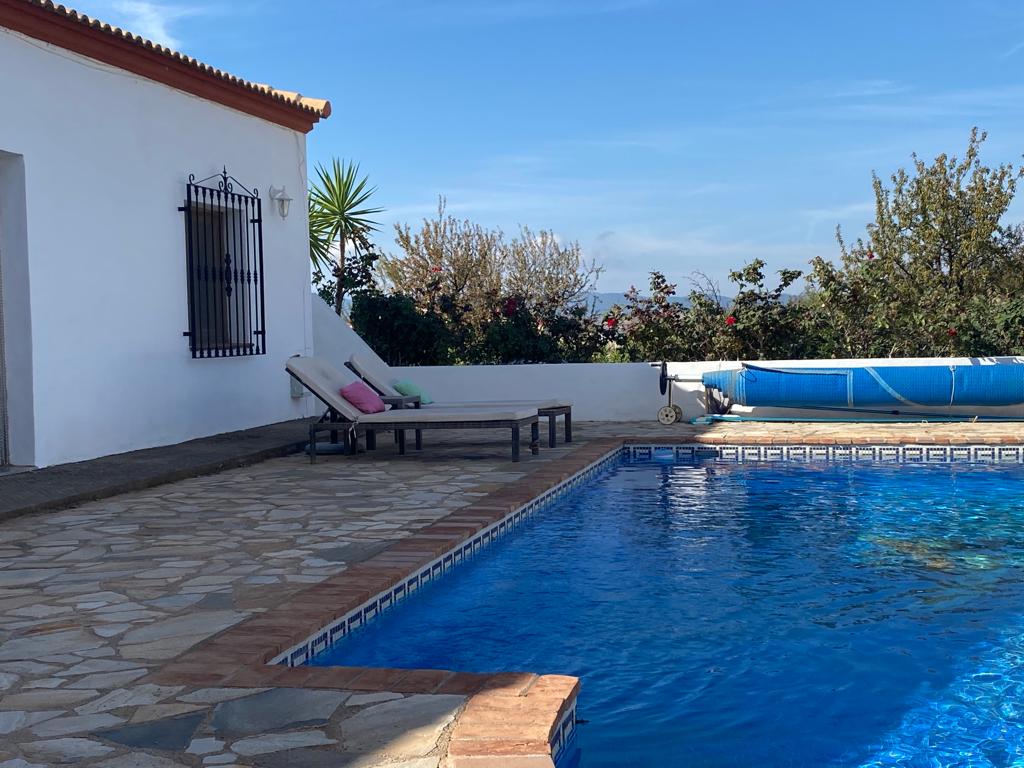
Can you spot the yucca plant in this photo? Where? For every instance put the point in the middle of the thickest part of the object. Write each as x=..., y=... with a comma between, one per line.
x=339, y=213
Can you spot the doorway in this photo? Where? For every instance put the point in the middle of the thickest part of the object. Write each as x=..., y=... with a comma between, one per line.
x=17, y=422
x=5, y=453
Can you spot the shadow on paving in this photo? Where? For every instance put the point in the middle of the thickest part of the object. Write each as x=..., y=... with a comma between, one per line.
x=66, y=485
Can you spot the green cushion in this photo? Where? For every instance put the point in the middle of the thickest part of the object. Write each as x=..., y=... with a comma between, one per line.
x=406, y=387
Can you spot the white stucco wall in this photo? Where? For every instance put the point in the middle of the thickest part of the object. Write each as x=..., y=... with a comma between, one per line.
x=106, y=155
x=599, y=391
x=332, y=337
x=629, y=391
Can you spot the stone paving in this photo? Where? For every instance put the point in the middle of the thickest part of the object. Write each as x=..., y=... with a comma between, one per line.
x=97, y=602
x=95, y=598
x=24, y=490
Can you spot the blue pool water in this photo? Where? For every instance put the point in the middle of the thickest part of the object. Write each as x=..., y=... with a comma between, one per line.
x=726, y=614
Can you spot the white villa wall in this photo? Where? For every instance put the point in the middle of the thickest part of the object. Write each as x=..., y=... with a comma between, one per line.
x=599, y=391
x=106, y=155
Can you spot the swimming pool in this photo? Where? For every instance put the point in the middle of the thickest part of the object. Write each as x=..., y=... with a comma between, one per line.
x=771, y=613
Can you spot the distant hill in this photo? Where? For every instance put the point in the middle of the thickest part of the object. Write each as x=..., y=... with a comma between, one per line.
x=604, y=301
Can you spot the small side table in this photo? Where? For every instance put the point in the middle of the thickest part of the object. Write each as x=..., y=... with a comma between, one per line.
x=400, y=401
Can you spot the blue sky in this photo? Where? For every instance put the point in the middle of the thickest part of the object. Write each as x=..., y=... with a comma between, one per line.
x=661, y=134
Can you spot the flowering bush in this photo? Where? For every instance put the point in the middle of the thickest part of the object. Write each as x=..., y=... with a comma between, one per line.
x=759, y=322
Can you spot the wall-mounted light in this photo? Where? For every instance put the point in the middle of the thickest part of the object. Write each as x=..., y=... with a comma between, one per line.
x=284, y=202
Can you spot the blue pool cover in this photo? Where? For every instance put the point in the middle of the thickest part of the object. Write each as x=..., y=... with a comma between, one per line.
x=895, y=386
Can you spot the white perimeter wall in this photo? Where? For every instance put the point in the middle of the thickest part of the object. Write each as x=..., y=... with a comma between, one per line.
x=599, y=391
x=106, y=155
x=629, y=391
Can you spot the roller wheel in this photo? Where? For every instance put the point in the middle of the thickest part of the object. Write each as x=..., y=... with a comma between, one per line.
x=663, y=379
x=667, y=415
x=679, y=412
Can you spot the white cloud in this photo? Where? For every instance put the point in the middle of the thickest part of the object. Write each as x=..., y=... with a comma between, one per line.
x=155, y=21
x=693, y=245
x=536, y=9
x=662, y=142
x=973, y=103
x=629, y=256
x=1013, y=50
x=835, y=213
x=869, y=89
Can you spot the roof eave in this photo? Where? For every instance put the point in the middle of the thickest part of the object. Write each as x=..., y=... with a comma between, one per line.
x=143, y=59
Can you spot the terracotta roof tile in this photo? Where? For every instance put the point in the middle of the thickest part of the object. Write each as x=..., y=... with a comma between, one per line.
x=313, y=108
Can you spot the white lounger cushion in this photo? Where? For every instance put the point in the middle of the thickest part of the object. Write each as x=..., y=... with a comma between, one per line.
x=535, y=404
x=376, y=371
x=325, y=381
x=433, y=414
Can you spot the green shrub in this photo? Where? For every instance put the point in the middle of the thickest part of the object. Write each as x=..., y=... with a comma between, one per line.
x=398, y=332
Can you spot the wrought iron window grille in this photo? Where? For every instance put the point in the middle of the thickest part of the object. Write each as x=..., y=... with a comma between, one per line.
x=224, y=262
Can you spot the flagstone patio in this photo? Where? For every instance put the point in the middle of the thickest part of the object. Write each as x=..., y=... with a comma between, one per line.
x=133, y=630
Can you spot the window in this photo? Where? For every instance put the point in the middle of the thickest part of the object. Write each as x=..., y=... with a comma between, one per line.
x=224, y=262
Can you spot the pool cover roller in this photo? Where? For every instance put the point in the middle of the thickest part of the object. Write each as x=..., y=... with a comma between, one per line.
x=884, y=386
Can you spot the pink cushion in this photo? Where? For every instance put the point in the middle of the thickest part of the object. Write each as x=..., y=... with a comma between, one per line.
x=362, y=397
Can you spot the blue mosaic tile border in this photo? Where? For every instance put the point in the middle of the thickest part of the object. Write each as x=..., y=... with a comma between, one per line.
x=913, y=454
x=564, y=734
x=319, y=641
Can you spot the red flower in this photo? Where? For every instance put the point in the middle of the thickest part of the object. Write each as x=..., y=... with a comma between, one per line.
x=730, y=320
x=951, y=332
x=871, y=255
x=511, y=305
x=611, y=322
x=435, y=269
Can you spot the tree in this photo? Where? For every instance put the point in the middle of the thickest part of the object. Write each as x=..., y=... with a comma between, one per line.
x=937, y=272
x=548, y=274
x=448, y=266
x=339, y=216
x=762, y=323
x=523, y=299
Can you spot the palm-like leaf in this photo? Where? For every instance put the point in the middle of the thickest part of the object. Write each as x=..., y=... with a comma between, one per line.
x=319, y=243
x=338, y=207
x=339, y=212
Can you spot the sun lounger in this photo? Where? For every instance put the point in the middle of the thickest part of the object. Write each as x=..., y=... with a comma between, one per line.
x=378, y=375
x=325, y=382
